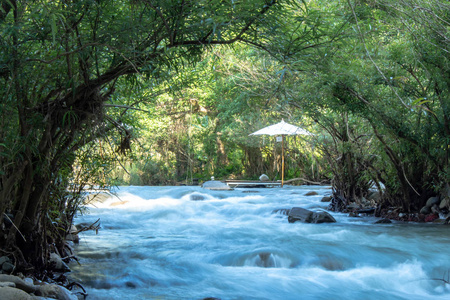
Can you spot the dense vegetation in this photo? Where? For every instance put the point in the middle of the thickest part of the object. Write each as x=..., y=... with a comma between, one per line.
x=165, y=92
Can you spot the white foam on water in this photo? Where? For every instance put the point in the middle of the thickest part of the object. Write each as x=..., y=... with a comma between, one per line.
x=191, y=243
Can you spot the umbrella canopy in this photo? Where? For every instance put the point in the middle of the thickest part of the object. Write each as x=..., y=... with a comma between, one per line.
x=282, y=129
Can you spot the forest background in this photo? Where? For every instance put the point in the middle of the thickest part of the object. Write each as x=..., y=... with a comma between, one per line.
x=101, y=93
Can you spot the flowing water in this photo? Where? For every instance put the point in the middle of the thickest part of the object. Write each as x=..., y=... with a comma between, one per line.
x=193, y=243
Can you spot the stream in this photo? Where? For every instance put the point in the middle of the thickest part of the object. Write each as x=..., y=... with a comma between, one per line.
x=187, y=242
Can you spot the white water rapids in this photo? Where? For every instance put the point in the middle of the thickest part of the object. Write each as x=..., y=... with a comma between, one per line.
x=193, y=243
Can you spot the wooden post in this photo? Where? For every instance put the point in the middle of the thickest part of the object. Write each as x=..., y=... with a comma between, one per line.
x=282, y=160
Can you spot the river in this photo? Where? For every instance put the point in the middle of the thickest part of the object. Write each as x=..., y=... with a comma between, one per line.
x=192, y=243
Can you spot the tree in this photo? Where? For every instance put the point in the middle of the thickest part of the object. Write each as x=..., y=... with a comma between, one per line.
x=61, y=62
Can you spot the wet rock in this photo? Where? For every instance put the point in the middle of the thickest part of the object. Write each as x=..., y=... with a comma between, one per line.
x=323, y=217
x=72, y=236
x=20, y=283
x=216, y=185
x=311, y=193
x=7, y=284
x=10, y=293
x=56, y=292
x=195, y=197
x=425, y=210
x=326, y=199
x=383, y=221
x=353, y=214
x=57, y=263
x=298, y=214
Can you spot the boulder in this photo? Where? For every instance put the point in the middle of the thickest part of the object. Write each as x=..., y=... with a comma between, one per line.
x=7, y=284
x=323, y=217
x=10, y=293
x=20, y=283
x=57, y=263
x=264, y=177
x=312, y=193
x=326, y=199
x=435, y=209
x=445, y=203
x=298, y=214
x=7, y=267
x=432, y=201
x=215, y=185
x=196, y=197
x=425, y=210
x=56, y=292
x=73, y=235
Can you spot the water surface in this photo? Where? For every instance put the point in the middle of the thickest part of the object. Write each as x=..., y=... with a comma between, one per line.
x=192, y=243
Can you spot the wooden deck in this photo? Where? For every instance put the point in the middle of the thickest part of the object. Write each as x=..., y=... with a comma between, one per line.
x=252, y=183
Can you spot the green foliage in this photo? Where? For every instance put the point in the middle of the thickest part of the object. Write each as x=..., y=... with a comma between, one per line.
x=75, y=79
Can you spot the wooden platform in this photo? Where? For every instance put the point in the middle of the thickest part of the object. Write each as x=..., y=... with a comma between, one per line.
x=252, y=184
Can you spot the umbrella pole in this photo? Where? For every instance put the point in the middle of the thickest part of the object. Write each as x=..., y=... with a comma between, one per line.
x=282, y=160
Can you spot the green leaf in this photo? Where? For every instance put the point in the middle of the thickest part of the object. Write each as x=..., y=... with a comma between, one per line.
x=54, y=28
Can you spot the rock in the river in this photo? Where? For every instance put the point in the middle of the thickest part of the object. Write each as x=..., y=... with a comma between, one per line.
x=298, y=214
x=196, y=197
x=215, y=185
x=323, y=217
x=326, y=199
x=312, y=193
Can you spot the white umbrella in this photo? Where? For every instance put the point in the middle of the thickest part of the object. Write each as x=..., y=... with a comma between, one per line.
x=282, y=129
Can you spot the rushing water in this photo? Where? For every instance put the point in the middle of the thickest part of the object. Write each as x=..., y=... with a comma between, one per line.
x=192, y=243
